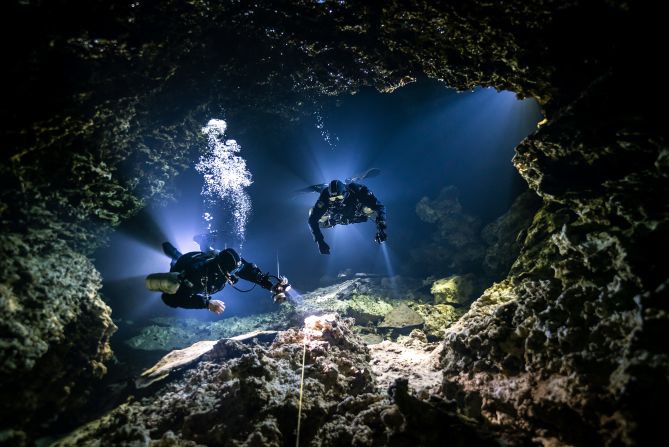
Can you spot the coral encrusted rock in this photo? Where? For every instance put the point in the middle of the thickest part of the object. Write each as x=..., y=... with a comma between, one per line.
x=250, y=395
x=54, y=331
x=455, y=289
x=562, y=349
x=102, y=112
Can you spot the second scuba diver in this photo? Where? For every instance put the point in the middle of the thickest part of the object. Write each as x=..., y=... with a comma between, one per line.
x=343, y=204
x=194, y=277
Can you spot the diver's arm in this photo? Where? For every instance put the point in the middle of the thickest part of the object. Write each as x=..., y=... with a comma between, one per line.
x=194, y=302
x=380, y=216
x=315, y=214
x=251, y=272
x=369, y=199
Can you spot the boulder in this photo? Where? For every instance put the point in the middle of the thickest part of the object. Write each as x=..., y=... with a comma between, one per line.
x=402, y=319
x=456, y=289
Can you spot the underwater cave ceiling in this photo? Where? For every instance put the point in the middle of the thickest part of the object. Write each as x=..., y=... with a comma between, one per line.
x=104, y=107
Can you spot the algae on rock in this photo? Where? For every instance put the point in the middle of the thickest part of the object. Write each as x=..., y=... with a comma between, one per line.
x=456, y=289
x=437, y=317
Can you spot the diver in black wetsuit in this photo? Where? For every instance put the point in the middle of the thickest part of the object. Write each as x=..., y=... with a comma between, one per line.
x=195, y=276
x=343, y=204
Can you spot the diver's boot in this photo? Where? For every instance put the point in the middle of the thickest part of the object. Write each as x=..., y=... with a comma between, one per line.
x=171, y=251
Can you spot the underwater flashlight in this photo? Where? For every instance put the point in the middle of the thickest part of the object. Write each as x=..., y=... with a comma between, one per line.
x=280, y=289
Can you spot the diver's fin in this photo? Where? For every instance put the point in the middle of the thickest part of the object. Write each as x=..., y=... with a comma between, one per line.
x=171, y=251
x=372, y=172
x=313, y=188
x=206, y=241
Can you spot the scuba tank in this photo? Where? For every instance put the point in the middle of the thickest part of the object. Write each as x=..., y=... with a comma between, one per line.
x=163, y=282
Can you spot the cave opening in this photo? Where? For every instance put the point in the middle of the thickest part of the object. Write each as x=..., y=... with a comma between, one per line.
x=446, y=178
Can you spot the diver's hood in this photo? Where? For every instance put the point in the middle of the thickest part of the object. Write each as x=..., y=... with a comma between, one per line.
x=229, y=260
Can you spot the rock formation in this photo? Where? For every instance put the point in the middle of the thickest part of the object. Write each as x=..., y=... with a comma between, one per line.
x=506, y=234
x=378, y=309
x=103, y=108
x=250, y=395
x=456, y=246
x=553, y=345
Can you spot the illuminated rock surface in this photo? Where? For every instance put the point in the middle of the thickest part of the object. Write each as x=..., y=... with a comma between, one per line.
x=412, y=358
x=401, y=319
x=250, y=394
x=367, y=300
x=453, y=290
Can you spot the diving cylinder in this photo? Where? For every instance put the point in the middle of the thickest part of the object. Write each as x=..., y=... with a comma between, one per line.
x=163, y=282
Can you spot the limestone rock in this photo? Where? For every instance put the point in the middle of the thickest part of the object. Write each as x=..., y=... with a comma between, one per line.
x=456, y=245
x=457, y=289
x=181, y=358
x=172, y=361
x=401, y=319
x=551, y=340
x=505, y=236
x=249, y=394
x=250, y=391
x=55, y=331
x=367, y=300
x=438, y=317
x=410, y=357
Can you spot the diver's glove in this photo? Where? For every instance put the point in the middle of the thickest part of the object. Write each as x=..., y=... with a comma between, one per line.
x=381, y=235
x=216, y=306
x=280, y=289
x=323, y=247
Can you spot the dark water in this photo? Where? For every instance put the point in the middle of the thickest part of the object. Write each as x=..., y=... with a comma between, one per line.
x=423, y=138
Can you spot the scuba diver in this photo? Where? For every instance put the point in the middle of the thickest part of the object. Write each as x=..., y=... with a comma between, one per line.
x=342, y=203
x=195, y=276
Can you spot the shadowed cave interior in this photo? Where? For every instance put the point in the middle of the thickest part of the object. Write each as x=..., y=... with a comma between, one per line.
x=520, y=298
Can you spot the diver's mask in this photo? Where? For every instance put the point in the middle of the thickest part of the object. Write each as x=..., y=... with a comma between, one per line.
x=337, y=191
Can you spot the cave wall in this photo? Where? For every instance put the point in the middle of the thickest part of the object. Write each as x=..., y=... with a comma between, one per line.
x=106, y=102
x=55, y=330
x=570, y=343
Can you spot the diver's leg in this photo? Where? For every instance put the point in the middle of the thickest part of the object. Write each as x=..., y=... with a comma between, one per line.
x=171, y=251
x=184, y=299
x=326, y=221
